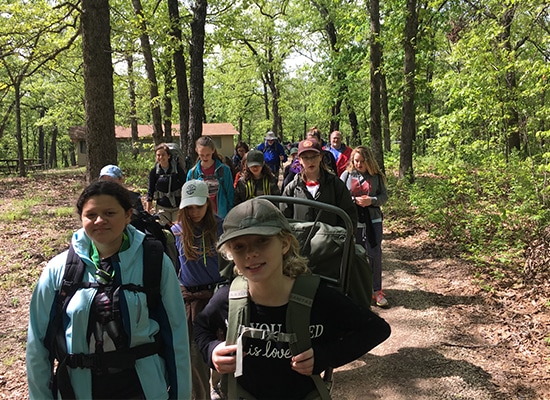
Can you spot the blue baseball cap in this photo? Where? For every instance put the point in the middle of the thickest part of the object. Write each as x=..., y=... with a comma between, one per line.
x=111, y=170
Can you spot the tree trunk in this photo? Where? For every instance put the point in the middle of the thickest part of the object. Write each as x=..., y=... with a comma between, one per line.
x=196, y=81
x=266, y=99
x=18, y=128
x=385, y=113
x=98, y=86
x=72, y=154
x=375, y=84
x=240, y=128
x=133, y=106
x=355, y=140
x=181, y=74
x=52, y=159
x=41, y=140
x=408, y=123
x=168, y=89
x=512, y=121
x=151, y=74
x=335, y=113
x=277, y=123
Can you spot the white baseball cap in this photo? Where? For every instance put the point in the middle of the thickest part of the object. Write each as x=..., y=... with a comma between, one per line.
x=194, y=193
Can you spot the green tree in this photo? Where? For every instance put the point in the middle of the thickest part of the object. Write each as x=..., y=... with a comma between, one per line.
x=32, y=43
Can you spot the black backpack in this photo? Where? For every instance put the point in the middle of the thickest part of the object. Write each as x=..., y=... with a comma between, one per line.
x=153, y=254
x=150, y=225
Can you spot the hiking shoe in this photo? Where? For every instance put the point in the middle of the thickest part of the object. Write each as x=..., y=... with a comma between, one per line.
x=380, y=299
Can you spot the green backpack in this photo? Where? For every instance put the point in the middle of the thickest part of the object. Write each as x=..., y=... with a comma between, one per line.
x=297, y=326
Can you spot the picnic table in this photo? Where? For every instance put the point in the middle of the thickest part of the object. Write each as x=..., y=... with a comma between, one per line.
x=10, y=166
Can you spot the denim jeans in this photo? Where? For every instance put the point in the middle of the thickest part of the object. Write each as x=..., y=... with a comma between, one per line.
x=374, y=253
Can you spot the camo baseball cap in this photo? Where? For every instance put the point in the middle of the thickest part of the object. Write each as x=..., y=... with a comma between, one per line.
x=253, y=217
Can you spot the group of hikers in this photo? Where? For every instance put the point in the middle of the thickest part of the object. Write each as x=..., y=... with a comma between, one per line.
x=236, y=313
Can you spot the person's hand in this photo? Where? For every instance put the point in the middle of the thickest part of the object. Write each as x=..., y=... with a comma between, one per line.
x=363, y=201
x=303, y=362
x=224, y=358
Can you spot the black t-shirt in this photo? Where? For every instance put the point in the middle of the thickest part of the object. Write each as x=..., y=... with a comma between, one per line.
x=340, y=333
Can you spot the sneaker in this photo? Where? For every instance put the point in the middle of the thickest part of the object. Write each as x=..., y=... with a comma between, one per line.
x=380, y=299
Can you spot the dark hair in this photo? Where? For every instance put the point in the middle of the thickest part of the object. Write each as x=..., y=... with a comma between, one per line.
x=109, y=188
x=242, y=144
x=164, y=147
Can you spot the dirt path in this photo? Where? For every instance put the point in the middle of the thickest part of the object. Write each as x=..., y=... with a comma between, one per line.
x=450, y=339
x=446, y=342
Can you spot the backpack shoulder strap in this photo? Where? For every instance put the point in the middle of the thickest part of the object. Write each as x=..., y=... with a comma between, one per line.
x=299, y=310
x=153, y=254
x=55, y=333
x=298, y=315
x=238, y=308
x=237, y=315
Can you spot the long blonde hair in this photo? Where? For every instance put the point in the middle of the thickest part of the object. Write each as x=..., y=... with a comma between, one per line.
x=208, y=228
x=372, y=166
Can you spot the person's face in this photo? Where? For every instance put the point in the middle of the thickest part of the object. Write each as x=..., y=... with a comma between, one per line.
x=205, y=153
x=310, y=160
x=104, y=219
x=336, y=140
x=196, y=213
x=162, y=157
x=359, y=163
x=241, y=152
x=259, y=258
x=256, y=171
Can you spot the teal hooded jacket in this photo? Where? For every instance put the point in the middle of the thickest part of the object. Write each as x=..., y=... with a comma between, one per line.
x=153, y=371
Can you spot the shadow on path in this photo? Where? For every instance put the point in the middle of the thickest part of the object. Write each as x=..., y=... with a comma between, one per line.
x=416, y=373
x=417, y=299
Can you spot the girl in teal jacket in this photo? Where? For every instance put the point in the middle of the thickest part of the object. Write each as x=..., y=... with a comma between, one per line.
x=110, y=249
x=215, y=173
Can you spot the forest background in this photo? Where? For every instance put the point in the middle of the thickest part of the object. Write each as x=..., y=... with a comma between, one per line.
x=452, y=96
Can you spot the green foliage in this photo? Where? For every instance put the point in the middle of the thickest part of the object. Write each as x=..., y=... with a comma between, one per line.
x=487, y=207
x=136, y=169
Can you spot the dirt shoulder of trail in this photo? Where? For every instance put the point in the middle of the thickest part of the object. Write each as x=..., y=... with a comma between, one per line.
x=450, y=339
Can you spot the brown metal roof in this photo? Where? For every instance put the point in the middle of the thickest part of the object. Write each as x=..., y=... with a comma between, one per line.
x=77, y=133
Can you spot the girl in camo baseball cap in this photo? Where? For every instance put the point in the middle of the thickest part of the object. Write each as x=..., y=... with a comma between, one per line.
x=255, y=349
